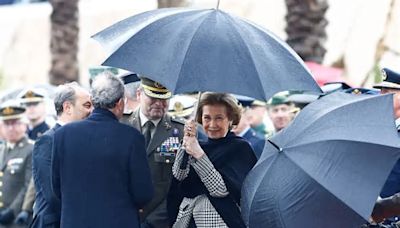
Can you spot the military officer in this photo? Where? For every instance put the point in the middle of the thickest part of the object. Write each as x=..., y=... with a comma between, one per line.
x=131, y=84
x=391, y=84
x=279, y=111
x=33, y=100
x=182, y=106
x=244, y=130
x=163, y=135
x=15, y=163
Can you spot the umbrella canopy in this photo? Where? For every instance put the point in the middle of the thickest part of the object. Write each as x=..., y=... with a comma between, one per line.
x=326, y=169
x=190, y=50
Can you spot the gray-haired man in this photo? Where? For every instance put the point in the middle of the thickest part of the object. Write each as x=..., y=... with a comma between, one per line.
x=109, y=178
x=72, y=103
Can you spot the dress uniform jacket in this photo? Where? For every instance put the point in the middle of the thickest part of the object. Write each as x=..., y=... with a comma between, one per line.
x=168, y=130
x=100, y=172
x=15, y=174
x=255, y=141
x=38, y=130
x=47, y=207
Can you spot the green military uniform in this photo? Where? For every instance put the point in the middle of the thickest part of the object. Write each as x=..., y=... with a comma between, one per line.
x=167, y=137
x=15, y=174
x=161, y=151
x=15, y=168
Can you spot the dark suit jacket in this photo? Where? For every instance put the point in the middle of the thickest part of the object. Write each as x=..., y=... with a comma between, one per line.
x=255, y=141
x=47, y=207
x=100, y=172
x=155, y=212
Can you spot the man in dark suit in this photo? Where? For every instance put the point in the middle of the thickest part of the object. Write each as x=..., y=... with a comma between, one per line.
x=72, y=103
x=164, y=134
x=99, y=167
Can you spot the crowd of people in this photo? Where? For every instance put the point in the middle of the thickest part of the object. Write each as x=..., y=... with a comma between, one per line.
x=128, y=153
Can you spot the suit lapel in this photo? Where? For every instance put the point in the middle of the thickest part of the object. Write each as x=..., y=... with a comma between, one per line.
x=161, y=134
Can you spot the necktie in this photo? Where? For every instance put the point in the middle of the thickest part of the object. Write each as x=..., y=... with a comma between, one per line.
x=147, y=127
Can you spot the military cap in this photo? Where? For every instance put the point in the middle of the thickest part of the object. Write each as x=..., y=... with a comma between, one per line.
x=10, y=110
x=181, y=106
x=278, y=99
x=154, y=89
x=358, y=91
x=258, y=103
x=32, y=95
x=390, y=80
x=245, y=101
x=129, y=77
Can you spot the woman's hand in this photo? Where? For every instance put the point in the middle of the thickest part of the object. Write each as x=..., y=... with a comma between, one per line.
x=192, y=147
x=190, y=141
x=190, y=128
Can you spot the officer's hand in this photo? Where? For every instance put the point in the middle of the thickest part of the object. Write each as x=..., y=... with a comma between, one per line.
x=6, y=216
x=22, y=218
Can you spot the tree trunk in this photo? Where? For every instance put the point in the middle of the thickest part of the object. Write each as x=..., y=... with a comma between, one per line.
x=305, y=28
x=64, y=39
x=172, y=3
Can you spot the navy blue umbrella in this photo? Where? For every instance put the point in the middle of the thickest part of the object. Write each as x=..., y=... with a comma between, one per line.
x=190, y=50
x=327, y=168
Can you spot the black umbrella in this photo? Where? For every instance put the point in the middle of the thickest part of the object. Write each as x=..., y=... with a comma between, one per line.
x=326, y=169
x=189, y=50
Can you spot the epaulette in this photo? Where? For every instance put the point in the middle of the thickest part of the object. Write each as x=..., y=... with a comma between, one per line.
x=178, y=120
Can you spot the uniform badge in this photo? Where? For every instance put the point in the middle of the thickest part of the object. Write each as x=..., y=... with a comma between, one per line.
x=384, y=75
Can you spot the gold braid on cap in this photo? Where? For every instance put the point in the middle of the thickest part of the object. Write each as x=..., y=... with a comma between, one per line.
x=155, y=89
x=8, y=111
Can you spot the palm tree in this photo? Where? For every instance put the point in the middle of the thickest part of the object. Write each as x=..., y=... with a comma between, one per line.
x=172, y=3
x=64, y=37
x=305, y=28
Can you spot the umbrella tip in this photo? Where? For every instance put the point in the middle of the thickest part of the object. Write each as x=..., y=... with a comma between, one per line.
x=217, y=4
x=276, y=146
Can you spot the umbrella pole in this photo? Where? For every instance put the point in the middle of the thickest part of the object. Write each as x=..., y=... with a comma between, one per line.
x=218, y=5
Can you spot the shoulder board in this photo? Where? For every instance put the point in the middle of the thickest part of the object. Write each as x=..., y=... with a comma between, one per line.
x=178, y=119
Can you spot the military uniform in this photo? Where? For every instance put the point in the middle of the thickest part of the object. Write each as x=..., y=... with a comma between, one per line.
x=161, y=156
x=15, y=174
x=38, y=130
x=161, y=150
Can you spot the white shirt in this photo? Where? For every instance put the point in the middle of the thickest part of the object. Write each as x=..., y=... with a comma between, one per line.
x=397, y=123
x=144, y=119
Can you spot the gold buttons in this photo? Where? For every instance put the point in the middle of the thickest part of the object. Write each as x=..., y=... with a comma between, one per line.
x=1, y=204
x=1, y=174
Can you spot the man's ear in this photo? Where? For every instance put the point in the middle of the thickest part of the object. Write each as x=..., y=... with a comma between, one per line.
x=67, y=107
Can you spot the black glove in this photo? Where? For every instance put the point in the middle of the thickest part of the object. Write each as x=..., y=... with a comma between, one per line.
x=22, y=218
x=6, y=216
